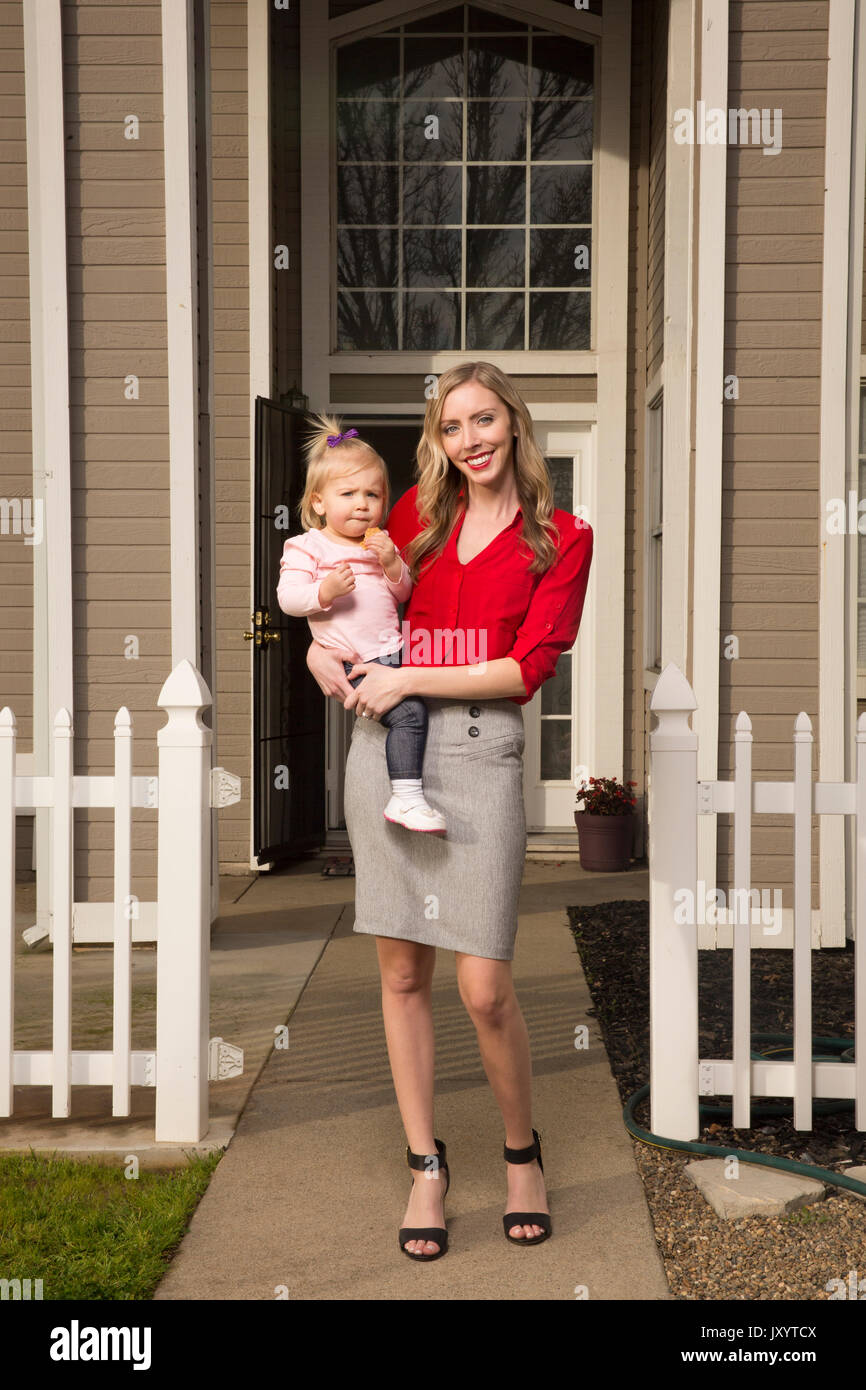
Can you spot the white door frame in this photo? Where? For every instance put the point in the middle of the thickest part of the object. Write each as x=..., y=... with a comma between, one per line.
x=550, y=805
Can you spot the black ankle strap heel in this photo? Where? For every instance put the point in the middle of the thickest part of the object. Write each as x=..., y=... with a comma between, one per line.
x=421, y=1163
x=526, y=1218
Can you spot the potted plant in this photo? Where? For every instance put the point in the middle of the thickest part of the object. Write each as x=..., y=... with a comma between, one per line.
x=605, y=826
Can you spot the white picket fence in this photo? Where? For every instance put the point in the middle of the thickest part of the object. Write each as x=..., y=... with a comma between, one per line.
x=678, y=1076
x=183, y=792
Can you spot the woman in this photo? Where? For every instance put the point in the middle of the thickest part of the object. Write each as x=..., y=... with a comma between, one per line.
x=501, y=580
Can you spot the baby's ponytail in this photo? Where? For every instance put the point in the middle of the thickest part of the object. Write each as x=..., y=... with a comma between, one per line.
x=329, y=449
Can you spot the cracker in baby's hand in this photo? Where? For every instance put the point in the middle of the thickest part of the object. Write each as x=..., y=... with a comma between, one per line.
x=371, y=531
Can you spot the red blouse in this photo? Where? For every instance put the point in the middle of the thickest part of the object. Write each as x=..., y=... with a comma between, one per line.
x=493, y=607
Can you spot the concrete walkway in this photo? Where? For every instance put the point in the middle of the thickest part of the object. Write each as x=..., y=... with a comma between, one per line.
x=308, y=1199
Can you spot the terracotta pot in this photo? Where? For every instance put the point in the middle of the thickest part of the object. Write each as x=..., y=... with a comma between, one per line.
x=605, y=842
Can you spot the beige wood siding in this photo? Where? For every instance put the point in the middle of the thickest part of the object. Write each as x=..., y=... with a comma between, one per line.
x=657, y=61
x=393, y=387
x=231, y=465
x=770, y=484
x=112, y=68
x=16, y=467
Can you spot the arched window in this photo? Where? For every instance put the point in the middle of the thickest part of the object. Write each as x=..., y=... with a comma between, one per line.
x=463, y=187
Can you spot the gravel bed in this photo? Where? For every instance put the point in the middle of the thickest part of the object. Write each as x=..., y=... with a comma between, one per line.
x=705, y=1257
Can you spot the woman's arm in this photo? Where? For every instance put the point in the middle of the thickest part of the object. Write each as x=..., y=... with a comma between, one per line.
x=489, y=680
x=385, y=686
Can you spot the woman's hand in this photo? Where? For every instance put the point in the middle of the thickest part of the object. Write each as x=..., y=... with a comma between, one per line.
x=382, y=688
x=326, y=664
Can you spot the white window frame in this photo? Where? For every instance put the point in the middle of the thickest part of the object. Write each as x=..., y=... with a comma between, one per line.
x=319, y=40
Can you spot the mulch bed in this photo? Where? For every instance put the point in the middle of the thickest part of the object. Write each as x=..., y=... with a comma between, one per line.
x=706, y=1257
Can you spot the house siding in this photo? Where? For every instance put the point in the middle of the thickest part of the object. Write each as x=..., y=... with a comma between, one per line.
x=770, y=540
x=112, y=68
x=16, y=557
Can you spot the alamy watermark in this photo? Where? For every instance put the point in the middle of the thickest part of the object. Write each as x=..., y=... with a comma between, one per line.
x=737, y=126
x=22, y=516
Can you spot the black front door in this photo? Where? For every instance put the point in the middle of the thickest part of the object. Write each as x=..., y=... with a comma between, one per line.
x=288, y=706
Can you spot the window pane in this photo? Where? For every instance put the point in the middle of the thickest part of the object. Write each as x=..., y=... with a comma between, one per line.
x=369, y=68
x=468, y=269
x=497, y=67
x=560, y=67
x=424, y=138
x=495, y=193
x=561, y=193
x=553, y=255
x=496, y=130
x=494, y=321
x=367, y=193
x=431, y=194
x=559, y=322
x=495, y=257
x=562, y=476
x=431, y=257
x=433, y=67
x=366, y=257
x=367, y=130
x=555, y=750
x=446, y=22
x=431, y=321
x=862, y=449
x=486, y=20
x=561, y=129
x=861, y=635
x=367, y=322
x=556, y=693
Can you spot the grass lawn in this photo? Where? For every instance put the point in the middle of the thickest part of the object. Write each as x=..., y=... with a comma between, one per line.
x=90, y=1232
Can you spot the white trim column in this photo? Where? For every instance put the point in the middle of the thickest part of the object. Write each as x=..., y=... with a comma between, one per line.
x=677, y=352
x=49, y=371
x=610, y=272
x=181, y=305
x=840, y=322
x=707, y=540
x=855, y=368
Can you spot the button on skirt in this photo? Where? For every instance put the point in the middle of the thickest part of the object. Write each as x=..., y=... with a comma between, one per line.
x=458, y=891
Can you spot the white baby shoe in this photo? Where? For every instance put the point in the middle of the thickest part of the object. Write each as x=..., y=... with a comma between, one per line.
x=420, y=817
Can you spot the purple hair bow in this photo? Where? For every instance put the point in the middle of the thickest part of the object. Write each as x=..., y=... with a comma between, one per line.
x=334, y=439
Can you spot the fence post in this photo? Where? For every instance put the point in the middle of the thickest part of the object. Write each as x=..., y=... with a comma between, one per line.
x=673, y=861
x=183, y=910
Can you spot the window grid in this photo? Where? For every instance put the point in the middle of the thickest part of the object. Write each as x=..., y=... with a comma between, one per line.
x=401, y=102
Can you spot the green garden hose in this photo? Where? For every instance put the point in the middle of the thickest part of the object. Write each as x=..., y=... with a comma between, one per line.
x=838, y=1048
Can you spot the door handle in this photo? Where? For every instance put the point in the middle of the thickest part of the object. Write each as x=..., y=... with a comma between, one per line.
x=261, y=621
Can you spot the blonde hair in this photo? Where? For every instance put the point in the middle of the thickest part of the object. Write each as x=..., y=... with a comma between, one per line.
x=439, y=482
x=326, y=462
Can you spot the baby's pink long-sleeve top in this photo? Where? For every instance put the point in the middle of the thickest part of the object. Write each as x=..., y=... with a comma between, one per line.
x=363, y=623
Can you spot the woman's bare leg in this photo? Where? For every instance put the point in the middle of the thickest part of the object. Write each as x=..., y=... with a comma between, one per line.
x=487, y=990
x=406, y=971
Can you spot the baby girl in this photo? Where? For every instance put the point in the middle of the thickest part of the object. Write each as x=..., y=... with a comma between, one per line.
x=345, y=576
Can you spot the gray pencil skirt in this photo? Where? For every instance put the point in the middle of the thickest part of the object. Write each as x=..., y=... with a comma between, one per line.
x=460, y=890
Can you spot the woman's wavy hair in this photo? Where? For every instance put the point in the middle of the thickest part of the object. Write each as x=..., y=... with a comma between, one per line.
x=439, y=482
x=326, y=462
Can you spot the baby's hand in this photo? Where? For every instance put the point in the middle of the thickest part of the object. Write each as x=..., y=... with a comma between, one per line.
x=340, y=581
x=384, y=547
